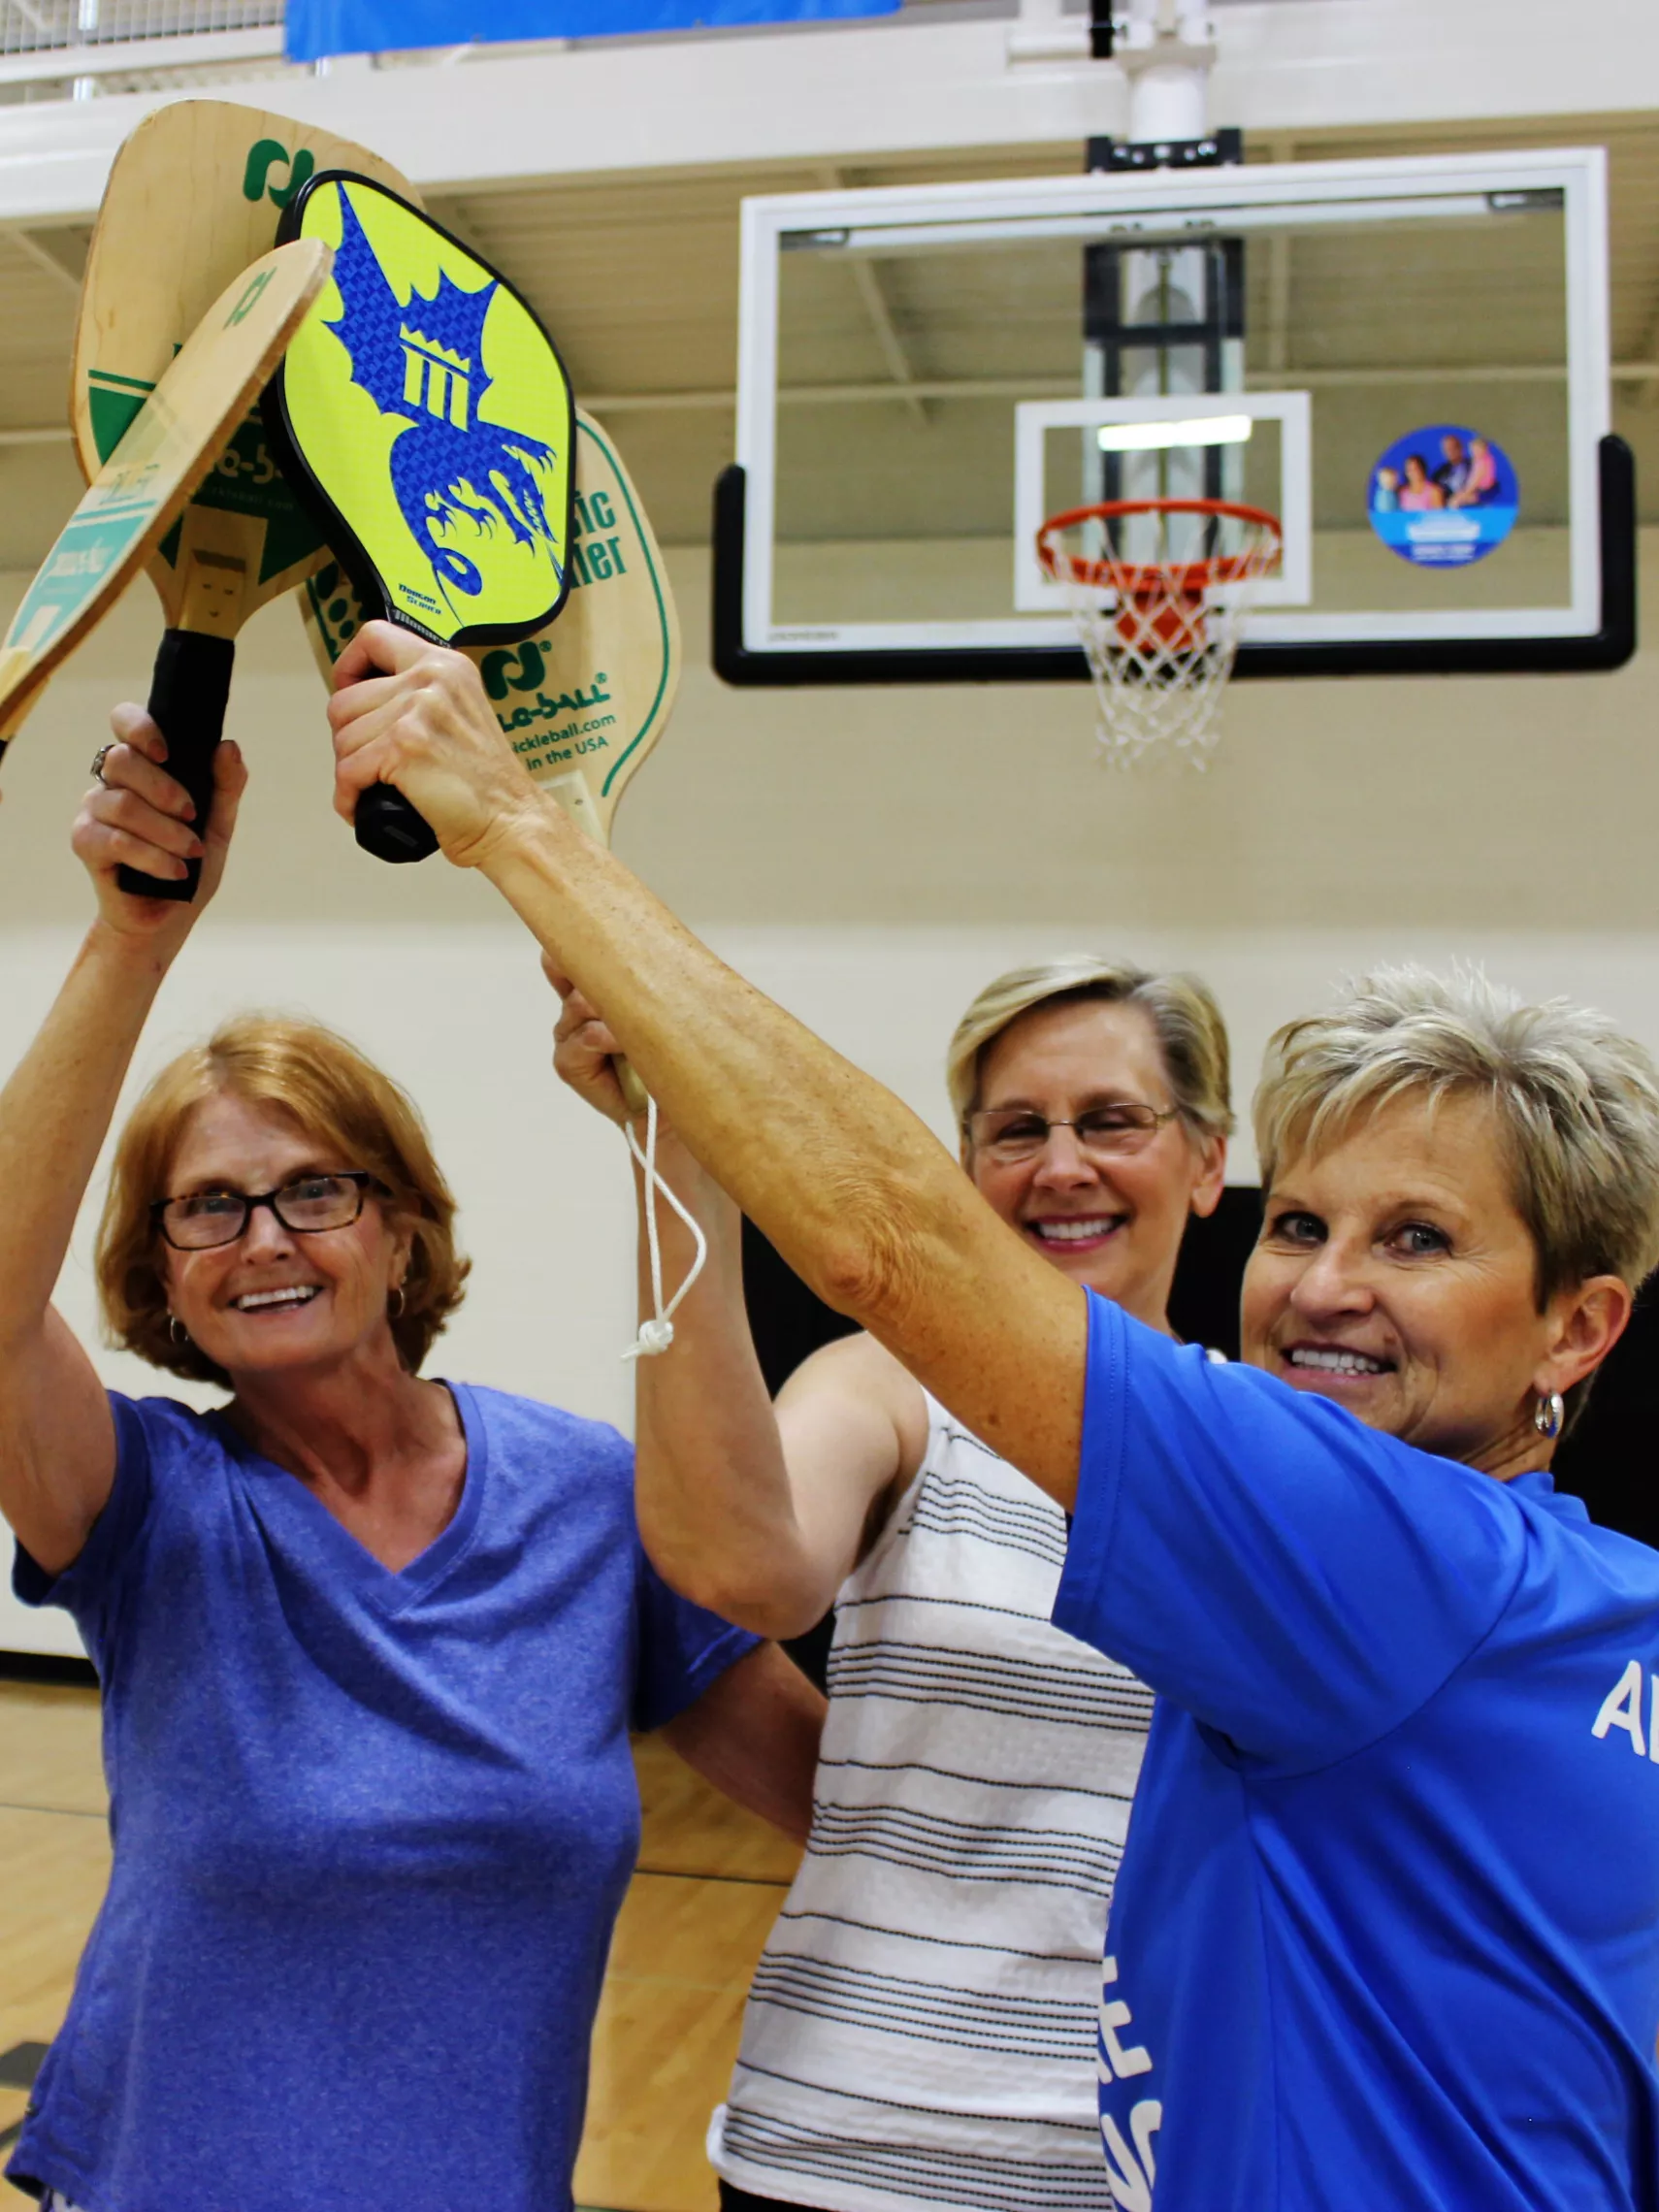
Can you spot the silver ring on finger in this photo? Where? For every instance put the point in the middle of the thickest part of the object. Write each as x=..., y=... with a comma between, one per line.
x=98, y=758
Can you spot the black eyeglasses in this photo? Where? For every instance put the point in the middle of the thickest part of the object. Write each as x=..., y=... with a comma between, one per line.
x=309, y=1205
x=1014, y=1133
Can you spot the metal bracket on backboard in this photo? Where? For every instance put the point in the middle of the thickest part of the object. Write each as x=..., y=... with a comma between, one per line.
x=1110, y=156
x=1608, y=647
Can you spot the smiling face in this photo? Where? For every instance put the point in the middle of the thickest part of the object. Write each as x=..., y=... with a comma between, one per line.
x=1396, y=1276
x=1114, y=1224
x=276, y=1299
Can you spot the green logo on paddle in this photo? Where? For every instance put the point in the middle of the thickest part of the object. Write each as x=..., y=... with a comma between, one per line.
x=244, y=306
x=266, y=155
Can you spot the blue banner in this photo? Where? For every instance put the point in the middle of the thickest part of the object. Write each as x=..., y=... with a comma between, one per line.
x=319, y=27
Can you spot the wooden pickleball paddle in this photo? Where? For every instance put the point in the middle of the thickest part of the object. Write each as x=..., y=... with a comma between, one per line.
x=424, y=414
x=141, y=491
x=194, y=195
x=586, y=698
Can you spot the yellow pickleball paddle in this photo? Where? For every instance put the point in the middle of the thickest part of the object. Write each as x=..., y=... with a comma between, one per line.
x=424, y=414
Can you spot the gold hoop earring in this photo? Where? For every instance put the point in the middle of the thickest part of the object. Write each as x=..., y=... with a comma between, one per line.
x=395, y=1313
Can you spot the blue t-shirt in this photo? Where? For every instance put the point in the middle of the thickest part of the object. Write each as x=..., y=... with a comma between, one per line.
x=1386, y=1931
x=371, y=1830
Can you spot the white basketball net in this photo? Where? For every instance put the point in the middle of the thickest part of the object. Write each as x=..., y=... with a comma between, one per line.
x=1158, y=597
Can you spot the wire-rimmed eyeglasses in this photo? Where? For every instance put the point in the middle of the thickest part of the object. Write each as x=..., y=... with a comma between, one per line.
x=307, y=1206
x=1014, y=1133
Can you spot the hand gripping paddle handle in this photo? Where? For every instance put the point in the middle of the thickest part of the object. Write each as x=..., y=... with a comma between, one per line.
x=390, y=827
x=632, y=1089
x=187, y=695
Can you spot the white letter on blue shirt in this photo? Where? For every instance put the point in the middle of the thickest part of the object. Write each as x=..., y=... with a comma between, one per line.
x=1115, y=2014
x=1621, y=1707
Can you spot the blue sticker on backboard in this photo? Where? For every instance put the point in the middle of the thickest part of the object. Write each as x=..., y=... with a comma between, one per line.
x=1442, y=496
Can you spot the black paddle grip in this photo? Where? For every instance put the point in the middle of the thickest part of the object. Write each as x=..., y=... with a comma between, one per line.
x=187, y=695
x=390, y=827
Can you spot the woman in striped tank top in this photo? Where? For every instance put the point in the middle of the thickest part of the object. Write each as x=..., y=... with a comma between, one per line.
x=921, y=2030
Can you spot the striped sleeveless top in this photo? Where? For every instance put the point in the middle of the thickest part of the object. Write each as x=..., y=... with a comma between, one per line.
x=921, y=2030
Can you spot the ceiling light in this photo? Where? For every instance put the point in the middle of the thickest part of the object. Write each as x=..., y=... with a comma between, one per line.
x=1148, y=436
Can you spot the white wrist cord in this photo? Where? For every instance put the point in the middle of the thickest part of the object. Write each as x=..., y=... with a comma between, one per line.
x=658, y=1333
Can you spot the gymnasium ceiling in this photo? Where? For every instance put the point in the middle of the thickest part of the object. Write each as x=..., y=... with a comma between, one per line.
x=638, y=278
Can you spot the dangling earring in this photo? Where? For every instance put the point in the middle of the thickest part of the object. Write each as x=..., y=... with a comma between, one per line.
x=176, y=1331
x=395, y=1313
x=1548, y=1415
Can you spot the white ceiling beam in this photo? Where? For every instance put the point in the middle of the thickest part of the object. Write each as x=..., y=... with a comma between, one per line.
x=1644, y=373
x=868, y=90
x=57, y=254
x=878, y=313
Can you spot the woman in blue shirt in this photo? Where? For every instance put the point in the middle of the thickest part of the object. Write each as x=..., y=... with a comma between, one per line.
x=1386, y=1929
x=370, y=1645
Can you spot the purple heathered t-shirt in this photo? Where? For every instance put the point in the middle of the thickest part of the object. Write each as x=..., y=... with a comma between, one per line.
x=371, y=1830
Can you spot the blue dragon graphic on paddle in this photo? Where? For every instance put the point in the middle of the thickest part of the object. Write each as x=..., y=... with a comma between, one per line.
x=424, y=361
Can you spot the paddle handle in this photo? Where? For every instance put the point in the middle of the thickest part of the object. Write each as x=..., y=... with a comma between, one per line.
x=390, y=827
x=632, y=1089
x=188, y=693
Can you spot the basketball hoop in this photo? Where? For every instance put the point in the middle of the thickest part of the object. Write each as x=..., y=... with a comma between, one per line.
x=1158, y=589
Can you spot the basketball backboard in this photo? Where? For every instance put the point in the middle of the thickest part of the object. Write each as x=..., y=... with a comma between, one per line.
x=1407, y=360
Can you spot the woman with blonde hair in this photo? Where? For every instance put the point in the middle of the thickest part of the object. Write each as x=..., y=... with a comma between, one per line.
x=1386, y=1929
x=370, y=1644
x=921, y=2027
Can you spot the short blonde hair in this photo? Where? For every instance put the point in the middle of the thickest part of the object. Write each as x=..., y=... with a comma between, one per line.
x=333, y=1093
x=1577, y=1102
x=1186, y=1020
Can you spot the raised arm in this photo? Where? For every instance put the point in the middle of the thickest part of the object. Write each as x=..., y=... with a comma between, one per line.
x=57, y=1442
x=845, y=1181
x=759, y=1515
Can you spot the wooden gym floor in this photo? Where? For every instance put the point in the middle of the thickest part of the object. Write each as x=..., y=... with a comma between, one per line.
x=709, y=1882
